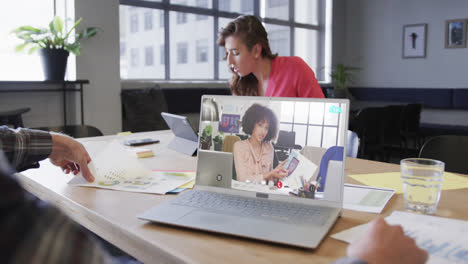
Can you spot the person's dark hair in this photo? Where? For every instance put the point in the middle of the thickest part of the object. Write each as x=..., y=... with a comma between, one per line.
x=250, y=31
x=257, y=113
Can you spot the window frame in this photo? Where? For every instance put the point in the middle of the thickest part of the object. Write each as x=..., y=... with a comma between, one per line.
x=166, y=6
x=308, y=124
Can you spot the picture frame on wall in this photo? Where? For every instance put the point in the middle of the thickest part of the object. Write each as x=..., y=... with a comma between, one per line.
x=414, y=41
x=455, y=33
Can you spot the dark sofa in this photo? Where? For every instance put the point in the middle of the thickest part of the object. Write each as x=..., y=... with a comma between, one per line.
x=445, y=110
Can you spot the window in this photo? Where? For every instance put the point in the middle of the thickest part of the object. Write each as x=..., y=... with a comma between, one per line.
x=224, y=5
x=22, y=66
x=182, y=53
x=149, y=56
x=189, y=50
x=161, y=18
x=181, y=18
x=134, y=57
x=204, y=4
x=122, y=49
x=134, y=23
x=202, y=50
x=246, y=5
x=315, y=124
x=162, y=51
x=148, y=20
x=277, y=3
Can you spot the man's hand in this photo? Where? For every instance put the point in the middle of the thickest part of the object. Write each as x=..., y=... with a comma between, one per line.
x=384, y=243
x=70, y=155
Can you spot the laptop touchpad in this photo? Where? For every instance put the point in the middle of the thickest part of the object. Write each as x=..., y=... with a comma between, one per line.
x=206, y=219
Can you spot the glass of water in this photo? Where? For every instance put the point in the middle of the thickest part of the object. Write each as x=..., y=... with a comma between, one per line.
x=422, y=184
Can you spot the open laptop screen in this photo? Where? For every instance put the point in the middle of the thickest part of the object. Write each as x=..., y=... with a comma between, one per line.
x=284, y=146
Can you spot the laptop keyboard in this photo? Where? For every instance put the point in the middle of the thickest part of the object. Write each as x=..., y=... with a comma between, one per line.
x=258, y=208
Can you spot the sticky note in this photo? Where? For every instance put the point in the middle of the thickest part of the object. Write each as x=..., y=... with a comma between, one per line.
x=145, y=154
x=124, y=133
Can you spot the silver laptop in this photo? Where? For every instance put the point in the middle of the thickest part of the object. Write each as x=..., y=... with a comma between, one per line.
x=235, y=191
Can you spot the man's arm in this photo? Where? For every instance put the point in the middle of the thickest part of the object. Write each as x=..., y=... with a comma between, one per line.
x=25, y=147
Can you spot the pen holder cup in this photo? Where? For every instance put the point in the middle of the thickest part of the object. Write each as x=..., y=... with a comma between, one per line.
x=304, y=194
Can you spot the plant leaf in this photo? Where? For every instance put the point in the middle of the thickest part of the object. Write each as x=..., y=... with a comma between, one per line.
x=58, y=25
x=21, y=47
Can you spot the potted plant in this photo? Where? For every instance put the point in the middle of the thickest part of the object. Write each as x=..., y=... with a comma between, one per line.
x=342, y=76
x=54, y=44
x=218, y=141
x=205, y=138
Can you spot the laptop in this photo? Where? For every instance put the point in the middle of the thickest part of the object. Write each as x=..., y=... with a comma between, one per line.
x=230, y=197
x=185, y=138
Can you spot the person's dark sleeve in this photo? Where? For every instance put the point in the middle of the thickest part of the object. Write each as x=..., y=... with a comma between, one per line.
x=33, y=231
x=25, y=147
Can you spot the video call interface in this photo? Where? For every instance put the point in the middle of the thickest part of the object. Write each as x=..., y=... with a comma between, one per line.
x=278, y=146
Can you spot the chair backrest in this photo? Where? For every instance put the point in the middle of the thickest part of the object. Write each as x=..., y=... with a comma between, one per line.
x=410, y=118
x=76, y=131
x=332, y=153
x=352, y=145
x=13, y=118
x=228, y=144
x=451, y=149
x=286, y=139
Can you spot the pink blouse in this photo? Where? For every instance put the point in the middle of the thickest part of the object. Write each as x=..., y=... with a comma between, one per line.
x=248, y=165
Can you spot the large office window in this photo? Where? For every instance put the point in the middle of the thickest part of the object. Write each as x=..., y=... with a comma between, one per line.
x=149, y=56
x=314, y=124
x=188, y=30
x=148, y=20
x=22, y=66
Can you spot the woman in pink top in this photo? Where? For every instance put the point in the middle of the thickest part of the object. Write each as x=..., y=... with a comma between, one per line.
x=253, y=157
x=256, y=70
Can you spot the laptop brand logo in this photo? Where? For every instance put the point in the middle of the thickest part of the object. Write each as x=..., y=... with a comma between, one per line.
x=335, y=110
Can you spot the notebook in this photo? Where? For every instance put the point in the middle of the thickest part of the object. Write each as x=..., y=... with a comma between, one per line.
x=288, y=195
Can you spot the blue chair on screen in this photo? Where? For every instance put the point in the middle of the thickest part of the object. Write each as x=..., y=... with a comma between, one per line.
x=332, y=153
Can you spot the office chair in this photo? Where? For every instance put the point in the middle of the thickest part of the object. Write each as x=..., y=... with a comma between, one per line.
x=285, y=143
x=451, y=149
x=332, y=153
x=13, y=118
x=76, y=131
x=228, y=143
x=352, y=144
x=409, y=130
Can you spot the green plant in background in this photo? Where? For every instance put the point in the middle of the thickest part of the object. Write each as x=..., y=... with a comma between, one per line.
x=53, y=37
x=342, y=76
x=219, y=138
x=206, y=134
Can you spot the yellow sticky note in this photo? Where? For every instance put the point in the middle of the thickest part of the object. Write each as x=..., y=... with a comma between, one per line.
x=392, y=180
x=188, y=185
x=124, y=133
x=145, y=154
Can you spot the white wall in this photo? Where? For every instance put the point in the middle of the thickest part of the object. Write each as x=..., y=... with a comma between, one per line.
x=373, y=41
x=99, y=62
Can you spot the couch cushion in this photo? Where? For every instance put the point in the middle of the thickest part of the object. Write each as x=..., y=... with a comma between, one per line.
x=460, y=99
x=429, y=97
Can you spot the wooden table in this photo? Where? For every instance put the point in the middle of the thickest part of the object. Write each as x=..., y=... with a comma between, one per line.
x=112, y=215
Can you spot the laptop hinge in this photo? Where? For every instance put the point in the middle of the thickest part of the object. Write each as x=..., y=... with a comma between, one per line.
x=262, y=195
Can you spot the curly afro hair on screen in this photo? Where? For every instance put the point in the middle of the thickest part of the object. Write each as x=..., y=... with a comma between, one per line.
x=257, y=113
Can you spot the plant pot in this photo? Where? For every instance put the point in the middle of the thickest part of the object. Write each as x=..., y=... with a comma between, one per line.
x=205, y=145
x=218, y=146
x=54, y=63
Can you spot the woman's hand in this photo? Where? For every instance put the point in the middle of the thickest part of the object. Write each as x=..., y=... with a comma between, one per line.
x=277, y=173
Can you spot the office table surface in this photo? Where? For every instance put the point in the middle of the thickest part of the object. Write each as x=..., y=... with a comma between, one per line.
x=112, y=215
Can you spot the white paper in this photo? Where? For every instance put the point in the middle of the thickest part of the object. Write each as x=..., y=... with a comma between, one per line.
x=305, y=168
x=446, y=240
x=117, y=169
x=366, y=199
